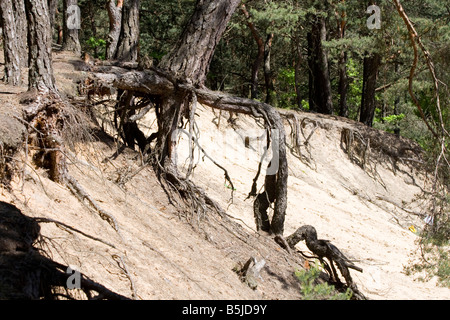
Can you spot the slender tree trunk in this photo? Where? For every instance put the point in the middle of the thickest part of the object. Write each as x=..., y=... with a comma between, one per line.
x=297, y=72
x=115, y=24
x=370, y=73
x=260, y=55
x=342, y=66
x=128, y=45
x=70, y=26
x=343, y=84
x=313, y=104
x=326, y=105
x=21, y=31
x=52, y=7
x=11, y=45
x=40, y=46
x=320, y=98
x=271, y=97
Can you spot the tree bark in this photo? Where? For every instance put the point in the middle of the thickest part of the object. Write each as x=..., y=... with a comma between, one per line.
x=40, y=47
x=70, y=32
x=342, y=66
x=52, y=7
x=320, y=98
x=192, y=55
x=370, y=73
x=21, y=31
x=115, y=24
x=268, y=75
x=10, y=47
x=127, y=50
x=14, y=24
x=343, y=84
x=297, y=72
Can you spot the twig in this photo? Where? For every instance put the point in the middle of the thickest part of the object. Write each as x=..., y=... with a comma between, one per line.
x=123, y=266
x=47, y=220
x=77, y=189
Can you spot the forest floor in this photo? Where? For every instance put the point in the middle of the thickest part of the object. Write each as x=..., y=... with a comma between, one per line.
x=159, y=254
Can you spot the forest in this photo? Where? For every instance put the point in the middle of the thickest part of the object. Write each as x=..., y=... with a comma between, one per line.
x=381, y=63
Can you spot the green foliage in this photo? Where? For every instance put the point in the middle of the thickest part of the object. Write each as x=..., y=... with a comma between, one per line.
x=312, y=289
x=94, y=26
x=394, y=118
x=354, y=74
x=97, y=46
x=287, y=95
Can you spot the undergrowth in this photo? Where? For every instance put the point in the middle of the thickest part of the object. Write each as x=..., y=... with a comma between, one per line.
x=312, y=289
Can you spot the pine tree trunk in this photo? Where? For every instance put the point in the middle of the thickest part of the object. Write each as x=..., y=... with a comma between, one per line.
x=189, y=61
x=297, y=72
x=193, y=54
x=370, y=73
x=320, y=98
x=271, y=97
x=10, y=47
x=21, y=31
x=343, y=84
x=127, y=49
x=260, y=54
x=40, y=46
x=115, y=24
x=52, y=7
x=342, y=65
x=70, y=31
x=15, y=49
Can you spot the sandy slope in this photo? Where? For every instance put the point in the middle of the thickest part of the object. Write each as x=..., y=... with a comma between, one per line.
x=332, y=194
x=157, y=255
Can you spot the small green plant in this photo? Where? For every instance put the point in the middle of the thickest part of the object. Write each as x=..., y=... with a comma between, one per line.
x=97, y=46
x=312, y=289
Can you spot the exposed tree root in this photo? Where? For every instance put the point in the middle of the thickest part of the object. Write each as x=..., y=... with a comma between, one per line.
x=47, y=220
x=121, y=264
x=82, y=194
x=325, y=249
x=53, y=124
x=155, y=83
